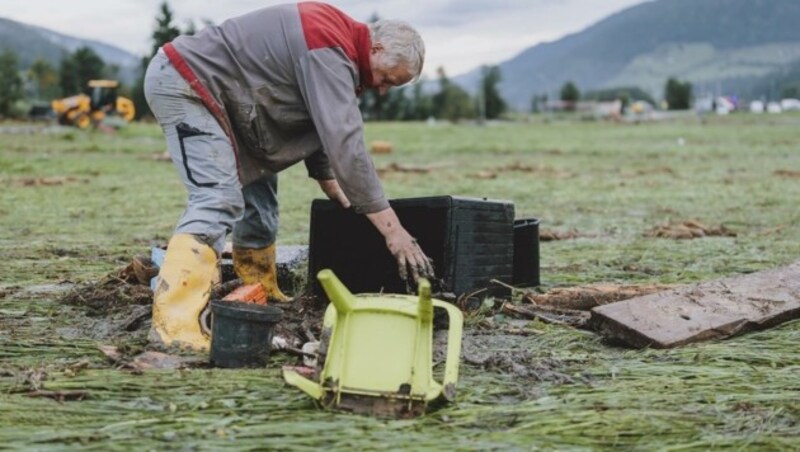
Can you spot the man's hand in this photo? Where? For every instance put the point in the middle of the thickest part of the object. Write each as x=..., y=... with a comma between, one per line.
x=411, y=260
x=334, y=192
x=412, y=263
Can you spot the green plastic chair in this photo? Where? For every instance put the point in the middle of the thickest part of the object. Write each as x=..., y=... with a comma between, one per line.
x=379, y=357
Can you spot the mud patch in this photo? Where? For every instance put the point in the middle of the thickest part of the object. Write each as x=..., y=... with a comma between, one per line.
x=518, y=167
x=108, y=296
x=687, y=230
x=413, y=169
x=36, y=291
x=128, y=324
x=46, y=181
x=128, y=286
x=650, y=171
x=787, y=174
x=483, y=175
x=150, y=359
x=549, y=235
x=501, y=353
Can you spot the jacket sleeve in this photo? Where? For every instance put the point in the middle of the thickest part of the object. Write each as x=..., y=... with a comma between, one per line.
x=327, y=81
x=318, y=166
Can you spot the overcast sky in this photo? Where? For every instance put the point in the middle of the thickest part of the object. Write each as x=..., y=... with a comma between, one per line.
x=459, y=34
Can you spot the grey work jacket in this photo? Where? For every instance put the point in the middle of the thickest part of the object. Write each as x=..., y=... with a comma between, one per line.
x=283, y=81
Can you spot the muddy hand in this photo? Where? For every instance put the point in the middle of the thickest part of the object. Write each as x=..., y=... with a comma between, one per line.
x=412, y=263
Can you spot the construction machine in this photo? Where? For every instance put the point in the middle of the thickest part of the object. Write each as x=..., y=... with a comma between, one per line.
x=85, y=110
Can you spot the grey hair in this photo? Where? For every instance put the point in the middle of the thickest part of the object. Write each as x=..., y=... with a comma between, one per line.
x=401, y=44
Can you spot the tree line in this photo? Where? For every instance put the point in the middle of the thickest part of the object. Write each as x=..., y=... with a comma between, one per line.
x=677, y=96
x=443, y=99
x=43, y=82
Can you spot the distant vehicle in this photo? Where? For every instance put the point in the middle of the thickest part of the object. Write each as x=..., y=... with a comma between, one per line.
x=703, y=105
x=725, y=105
x=757, y=107
x=790, y=104
x=774, y=107
x=640, y=107
x=83, y=110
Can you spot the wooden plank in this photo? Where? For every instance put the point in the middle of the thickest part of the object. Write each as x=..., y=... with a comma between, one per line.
x=698, y=312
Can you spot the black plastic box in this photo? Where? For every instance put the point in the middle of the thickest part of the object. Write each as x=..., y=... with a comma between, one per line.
x=526, y=253
x=471, y=242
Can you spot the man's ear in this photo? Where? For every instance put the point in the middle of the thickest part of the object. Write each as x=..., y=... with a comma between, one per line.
x=377, y=47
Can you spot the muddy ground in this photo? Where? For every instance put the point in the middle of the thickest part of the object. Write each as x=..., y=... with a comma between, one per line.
x=117, y=309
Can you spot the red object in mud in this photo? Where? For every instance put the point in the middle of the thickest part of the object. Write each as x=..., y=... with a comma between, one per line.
x=251, y=293
x=308, y=372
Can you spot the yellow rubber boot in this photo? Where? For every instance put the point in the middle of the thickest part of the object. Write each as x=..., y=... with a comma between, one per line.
x=258, y=265
x=189, y=271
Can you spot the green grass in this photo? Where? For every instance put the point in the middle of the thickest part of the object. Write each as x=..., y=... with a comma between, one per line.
x=610, y=182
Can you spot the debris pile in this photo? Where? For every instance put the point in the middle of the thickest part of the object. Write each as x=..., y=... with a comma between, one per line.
x=518, y=167
x=687, y=230
x=47, y=181
x=549, y=235
x=589, y=296
x=787, y=173
x=117, y=291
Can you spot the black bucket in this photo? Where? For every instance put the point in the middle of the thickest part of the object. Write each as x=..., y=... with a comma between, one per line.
x=526, y=252
x=241, y=333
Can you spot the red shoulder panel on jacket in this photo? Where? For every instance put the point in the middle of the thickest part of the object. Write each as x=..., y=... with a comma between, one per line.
x=325, y=26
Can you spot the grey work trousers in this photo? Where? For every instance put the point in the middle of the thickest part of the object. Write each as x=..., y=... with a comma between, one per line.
x=205, y=160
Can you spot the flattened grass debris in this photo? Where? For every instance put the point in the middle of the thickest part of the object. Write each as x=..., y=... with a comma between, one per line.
x=549, y=235
x=60, y=396
x=110, y=294
x=542, y=170
x=687, y=230
x=547, y=314
x=150, y=359
x=589, y=296
x=47, y=181
x=787, y=173
x=483, y=175
x=395, y=167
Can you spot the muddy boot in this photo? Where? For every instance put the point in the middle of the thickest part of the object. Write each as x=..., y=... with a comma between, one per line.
x=258, y=265
x=183, y=287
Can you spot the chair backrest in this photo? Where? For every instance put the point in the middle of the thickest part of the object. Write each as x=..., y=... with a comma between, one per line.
x=379, y=343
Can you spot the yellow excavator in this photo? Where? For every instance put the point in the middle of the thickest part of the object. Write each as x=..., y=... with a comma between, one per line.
x=85, y=110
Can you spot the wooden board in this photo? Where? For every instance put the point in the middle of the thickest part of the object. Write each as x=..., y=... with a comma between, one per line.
x=711, y=310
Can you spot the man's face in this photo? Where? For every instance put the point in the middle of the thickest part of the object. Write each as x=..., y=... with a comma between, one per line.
x=385, y=76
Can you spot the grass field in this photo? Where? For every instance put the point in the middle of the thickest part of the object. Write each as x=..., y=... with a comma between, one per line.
x=74, y=206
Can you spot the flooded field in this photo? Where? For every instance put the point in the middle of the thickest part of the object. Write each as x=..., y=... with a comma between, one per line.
x=623, y=207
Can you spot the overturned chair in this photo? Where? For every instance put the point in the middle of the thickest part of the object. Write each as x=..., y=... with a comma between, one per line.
x=378, y=359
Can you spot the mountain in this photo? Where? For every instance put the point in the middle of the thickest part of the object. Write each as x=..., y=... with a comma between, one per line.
x=31, y=43
x=718, y=45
